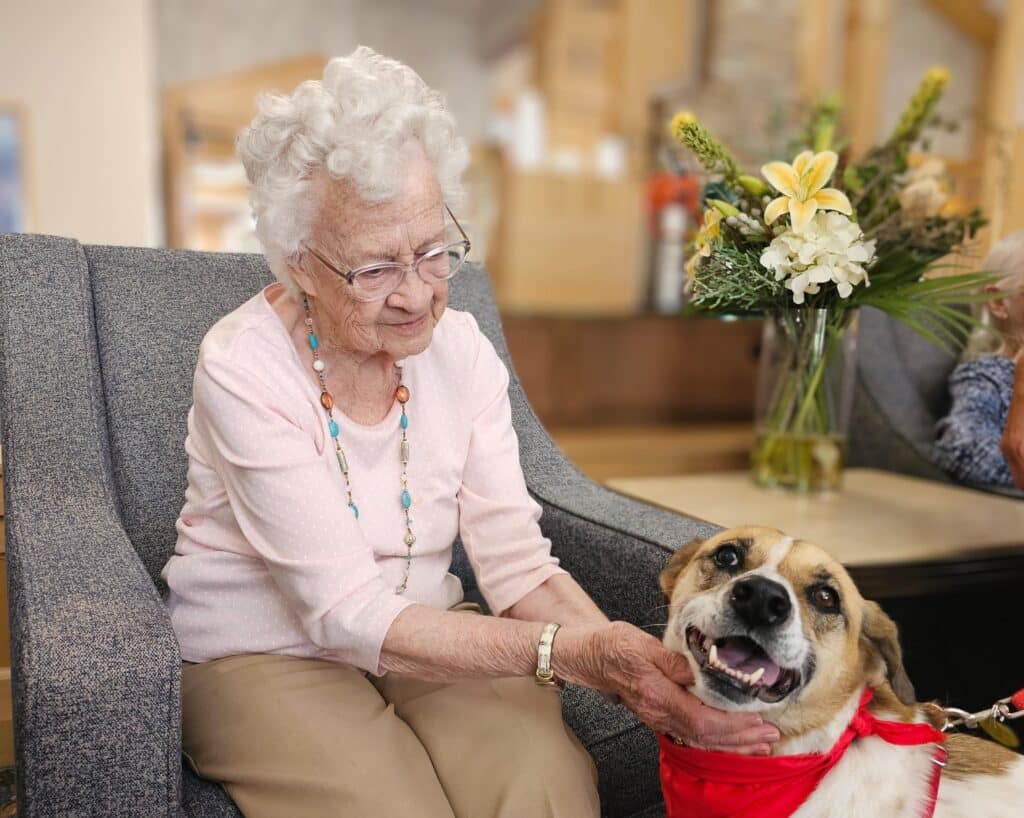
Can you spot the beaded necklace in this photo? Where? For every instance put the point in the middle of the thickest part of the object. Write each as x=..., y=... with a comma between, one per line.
x=327, y=401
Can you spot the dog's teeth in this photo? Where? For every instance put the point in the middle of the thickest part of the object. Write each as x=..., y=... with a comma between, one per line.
x=745, y=677
x=755, y=677
x=713, y=655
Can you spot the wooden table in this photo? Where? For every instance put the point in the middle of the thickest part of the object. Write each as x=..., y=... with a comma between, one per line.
x=898, y=535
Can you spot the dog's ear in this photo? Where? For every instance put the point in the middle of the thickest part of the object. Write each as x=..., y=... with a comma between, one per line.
x=674, y=567
x=883, y=638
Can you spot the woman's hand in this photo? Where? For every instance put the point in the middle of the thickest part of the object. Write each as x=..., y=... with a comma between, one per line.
x=621, y=659
x=1012, y=444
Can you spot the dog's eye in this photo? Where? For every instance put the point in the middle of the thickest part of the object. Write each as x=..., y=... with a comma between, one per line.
x=728, y=557
x=825, y=598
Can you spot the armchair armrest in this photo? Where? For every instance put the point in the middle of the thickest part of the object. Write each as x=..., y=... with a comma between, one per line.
x=616, y=547
x=613, y=545
x=95, y=667
x=95, y=664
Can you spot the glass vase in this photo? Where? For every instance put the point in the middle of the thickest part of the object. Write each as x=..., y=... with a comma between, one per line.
x=804, y=398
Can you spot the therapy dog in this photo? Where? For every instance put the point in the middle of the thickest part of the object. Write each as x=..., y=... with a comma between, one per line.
x=776, y=626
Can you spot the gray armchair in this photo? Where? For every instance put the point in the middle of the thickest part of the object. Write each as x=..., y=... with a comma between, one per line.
x=901, y=393
x=97, y=347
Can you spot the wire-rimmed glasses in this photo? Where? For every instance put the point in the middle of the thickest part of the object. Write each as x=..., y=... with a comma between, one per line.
x=376, y=281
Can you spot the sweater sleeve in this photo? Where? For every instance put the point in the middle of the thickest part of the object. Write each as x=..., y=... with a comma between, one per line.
x=498, y=519
x=290, y=507
x=968, y=442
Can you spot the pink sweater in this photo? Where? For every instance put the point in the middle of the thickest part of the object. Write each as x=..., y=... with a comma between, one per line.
x=269, y=558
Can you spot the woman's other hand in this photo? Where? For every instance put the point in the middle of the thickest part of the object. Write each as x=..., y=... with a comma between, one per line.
x=1012, y=444
x=621, y=659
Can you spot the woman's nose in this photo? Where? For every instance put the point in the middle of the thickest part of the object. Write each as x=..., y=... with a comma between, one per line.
x=412, y=292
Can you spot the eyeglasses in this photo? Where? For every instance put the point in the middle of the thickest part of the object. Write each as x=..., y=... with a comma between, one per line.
x=376, y=281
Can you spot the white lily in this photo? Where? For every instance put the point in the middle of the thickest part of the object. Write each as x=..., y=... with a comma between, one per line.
x=803, y=190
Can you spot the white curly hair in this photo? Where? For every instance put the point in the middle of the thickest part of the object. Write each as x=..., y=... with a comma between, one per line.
x=355, y=123
x=1006, y=257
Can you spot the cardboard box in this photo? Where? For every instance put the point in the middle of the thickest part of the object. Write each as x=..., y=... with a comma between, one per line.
x=569, y=244
x=573, y=44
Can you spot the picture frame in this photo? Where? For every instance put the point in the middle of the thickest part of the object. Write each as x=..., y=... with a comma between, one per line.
x=15, y=199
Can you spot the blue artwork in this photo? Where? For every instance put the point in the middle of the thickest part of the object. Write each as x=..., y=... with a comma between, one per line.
x=12, y=182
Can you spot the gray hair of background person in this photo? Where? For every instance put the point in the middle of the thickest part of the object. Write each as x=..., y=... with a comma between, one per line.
x=355, y=123
x=1007, y=257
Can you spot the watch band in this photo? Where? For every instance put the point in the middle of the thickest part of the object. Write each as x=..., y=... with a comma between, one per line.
x=545, y=675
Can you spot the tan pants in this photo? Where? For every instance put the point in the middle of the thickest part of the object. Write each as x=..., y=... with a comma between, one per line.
x=309, y=738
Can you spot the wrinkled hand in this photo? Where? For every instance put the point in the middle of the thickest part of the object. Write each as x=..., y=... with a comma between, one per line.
x=1012, y=443
x=621, y=659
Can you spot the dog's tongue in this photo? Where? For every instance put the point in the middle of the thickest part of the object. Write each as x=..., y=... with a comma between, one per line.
x=740, y=653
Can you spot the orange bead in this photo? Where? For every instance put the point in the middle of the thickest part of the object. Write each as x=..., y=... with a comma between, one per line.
x=326, y=400
x=402, y=394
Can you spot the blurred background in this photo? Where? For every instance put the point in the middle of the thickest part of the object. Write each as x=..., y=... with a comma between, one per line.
x=118, y=119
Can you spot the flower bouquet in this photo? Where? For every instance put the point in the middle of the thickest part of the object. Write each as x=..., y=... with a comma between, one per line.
x=809, y=242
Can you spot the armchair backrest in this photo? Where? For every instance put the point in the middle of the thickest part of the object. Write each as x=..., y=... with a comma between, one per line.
x=902, y=392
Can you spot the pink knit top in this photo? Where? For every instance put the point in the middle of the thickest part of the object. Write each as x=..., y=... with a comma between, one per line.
x=269, y=558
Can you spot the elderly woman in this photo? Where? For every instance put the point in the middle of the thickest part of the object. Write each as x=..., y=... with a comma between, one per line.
x=981, y=440
x=346, y=426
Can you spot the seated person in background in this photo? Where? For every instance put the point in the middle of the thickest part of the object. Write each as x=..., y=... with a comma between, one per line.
x=982, y=439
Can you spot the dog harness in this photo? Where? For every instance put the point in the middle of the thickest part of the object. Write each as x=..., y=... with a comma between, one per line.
x=705, y=784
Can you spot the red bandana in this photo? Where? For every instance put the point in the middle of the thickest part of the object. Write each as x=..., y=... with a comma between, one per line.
x=704, y=784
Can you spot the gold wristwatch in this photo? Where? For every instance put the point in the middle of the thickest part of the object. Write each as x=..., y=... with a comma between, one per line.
x=545, y=676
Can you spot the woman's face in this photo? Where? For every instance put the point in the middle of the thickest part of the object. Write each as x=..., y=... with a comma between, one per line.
x=351, y=233
x=1008, y=311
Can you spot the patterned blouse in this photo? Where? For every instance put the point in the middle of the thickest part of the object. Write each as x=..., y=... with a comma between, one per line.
x=968, y=438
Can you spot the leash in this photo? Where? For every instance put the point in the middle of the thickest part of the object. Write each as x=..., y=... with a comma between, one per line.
x=992, y=720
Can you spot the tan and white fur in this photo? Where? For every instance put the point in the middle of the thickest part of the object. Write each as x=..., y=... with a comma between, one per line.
x=822, y=643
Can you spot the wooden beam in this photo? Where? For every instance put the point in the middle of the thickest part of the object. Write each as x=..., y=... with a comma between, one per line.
x=868, y=26
x=653, y=46
x=814, y=46
x=971, y=18
x=1014, y=214
x=1003, y=186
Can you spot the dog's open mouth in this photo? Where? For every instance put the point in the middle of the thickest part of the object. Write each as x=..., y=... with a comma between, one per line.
x=743, y=664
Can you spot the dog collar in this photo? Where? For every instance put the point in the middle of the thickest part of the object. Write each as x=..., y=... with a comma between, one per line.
x=704, y=784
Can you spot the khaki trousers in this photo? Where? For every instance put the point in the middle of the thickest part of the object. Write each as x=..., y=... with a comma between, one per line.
x=310, y=738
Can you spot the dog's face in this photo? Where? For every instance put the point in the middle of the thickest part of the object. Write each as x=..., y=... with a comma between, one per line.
x=777, y=626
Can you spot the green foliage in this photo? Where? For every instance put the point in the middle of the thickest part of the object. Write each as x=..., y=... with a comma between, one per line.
x=732, y=280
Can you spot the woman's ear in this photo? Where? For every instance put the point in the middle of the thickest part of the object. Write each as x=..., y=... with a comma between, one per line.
x=300, y=275
x=997, y=306
x=882, y=640
x=675, y=566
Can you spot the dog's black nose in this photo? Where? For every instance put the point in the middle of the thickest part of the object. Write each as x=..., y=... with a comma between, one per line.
x=760, y=602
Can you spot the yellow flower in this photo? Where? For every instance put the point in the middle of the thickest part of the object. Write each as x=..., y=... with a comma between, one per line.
x=711, y=229
x=920, y=105
x=680, y=119
x=803, y=190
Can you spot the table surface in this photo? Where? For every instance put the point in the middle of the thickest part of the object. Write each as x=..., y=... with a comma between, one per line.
x=879, y=518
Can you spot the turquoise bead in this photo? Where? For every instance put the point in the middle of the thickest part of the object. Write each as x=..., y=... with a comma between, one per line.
x=355, y=509
x=406, y=499
x=313, y=342
x=405, y=421
x=334, y=428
